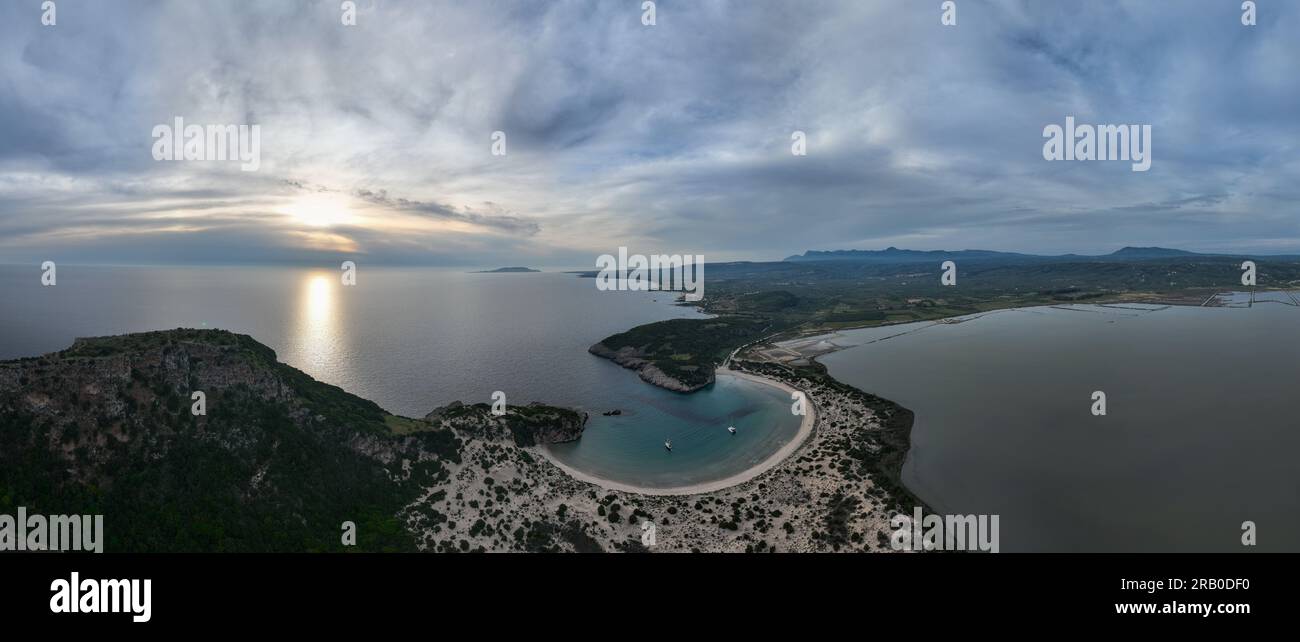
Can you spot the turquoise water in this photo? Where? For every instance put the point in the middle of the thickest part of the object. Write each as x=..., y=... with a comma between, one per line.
x=630, y=448
x=415, y=339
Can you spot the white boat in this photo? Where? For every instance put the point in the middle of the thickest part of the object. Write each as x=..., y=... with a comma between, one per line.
x=731, y=429
x=668, y=444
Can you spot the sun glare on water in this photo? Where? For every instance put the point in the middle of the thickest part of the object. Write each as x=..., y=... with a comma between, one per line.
x=318, y=345
x=318, y=302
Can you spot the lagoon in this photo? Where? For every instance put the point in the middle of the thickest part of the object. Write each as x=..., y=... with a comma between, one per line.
x=1201, y=434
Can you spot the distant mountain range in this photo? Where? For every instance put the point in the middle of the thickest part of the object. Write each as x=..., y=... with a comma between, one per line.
x=507, y=269
x=1152, y=253
x=895, y=255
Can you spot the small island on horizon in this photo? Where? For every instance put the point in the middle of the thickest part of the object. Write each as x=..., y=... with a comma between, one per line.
x=506, y=269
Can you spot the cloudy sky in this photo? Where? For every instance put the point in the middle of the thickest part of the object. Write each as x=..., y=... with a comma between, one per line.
x=376, y=139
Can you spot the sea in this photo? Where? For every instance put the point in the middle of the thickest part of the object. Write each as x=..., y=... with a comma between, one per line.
x=413, y=339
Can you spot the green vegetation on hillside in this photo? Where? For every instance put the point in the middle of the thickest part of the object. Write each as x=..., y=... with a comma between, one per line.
x=278, y=463
x=753, y=300
x=687, y=349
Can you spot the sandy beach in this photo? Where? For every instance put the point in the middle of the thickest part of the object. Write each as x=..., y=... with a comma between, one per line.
x=805, y=429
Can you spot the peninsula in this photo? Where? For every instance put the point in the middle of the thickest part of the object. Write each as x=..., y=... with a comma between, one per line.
x=280, y=462
x=754, y=304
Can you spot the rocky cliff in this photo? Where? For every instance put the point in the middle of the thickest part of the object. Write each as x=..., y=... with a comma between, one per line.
x=638, y=359
x=275, y=460
x=530, y=425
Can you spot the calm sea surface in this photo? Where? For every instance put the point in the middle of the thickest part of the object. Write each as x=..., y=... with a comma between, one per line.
x=1201, y=434
x=415, y=339
x=1202, y=430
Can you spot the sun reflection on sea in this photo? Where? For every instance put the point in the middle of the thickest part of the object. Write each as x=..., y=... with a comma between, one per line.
x=318, y=339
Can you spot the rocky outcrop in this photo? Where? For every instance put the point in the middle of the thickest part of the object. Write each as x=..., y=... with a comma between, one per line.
x=530, y=425
x=635, y=359
x=547, y=425
x=627, y=356
x=652, y=374
x=450, y=409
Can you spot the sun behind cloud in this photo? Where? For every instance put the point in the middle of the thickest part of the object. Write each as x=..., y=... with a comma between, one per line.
x=319, y=210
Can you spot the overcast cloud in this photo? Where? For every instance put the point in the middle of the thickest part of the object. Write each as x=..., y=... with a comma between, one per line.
x=672, y=138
